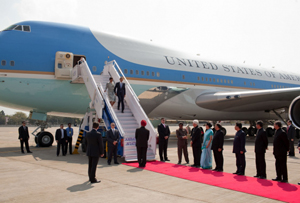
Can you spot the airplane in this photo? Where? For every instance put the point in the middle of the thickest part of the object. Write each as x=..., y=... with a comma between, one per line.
x=168, y=83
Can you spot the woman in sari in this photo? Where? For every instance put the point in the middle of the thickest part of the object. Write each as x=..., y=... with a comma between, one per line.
x=206, y=157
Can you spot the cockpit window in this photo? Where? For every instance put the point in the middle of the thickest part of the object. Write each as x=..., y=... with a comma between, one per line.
x=24, y=28
x=19, y=27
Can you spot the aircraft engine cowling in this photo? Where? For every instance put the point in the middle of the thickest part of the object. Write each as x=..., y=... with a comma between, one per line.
x=294, y=112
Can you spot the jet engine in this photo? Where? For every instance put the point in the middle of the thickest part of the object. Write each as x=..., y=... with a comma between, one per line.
x=294, y=112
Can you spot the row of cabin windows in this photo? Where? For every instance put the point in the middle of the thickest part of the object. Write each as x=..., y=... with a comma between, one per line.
x=11, y=63
x=212, y=80
x=142, y=73
x=279, y=86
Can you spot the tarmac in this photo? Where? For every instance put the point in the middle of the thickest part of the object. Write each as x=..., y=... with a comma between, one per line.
x=44, y=177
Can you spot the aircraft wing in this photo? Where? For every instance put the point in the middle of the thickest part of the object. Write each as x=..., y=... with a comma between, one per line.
x=253, y=100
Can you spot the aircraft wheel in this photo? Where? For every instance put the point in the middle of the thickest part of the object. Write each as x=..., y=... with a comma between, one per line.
x=270, y=132
x=83, y=146
x=45, y=139
x=251, y=131
x=223, y=130
x=245, y=130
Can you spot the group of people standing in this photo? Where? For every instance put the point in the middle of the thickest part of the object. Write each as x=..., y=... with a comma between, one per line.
x=204, y=143
x=201, y=152
x=64, y=138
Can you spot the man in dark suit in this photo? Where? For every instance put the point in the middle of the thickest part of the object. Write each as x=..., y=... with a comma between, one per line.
x=164, y=134
x=291, y=132
x=280, y=149
x=24, y=137
x=261, y=144
x=239, y=149
x=121, y=93
x=196, y=143
x=217, y=147
x=94, y=143
x=61, y=139
x=182, y=144
x=142, y=137
x=113, y=137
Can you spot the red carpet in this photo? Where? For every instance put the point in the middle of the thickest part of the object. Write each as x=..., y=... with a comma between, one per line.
x=264, y=188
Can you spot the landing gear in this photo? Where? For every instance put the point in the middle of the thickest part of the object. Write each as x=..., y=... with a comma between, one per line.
x=251, y=131
x=43, y=138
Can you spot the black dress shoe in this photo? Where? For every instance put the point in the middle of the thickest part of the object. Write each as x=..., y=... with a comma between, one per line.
x=179, y=162
x=220, y=170
x=97, y=181
x=23, y=152
x=29, y=152
x=235, y=173
x=167, y=159
x=108, y=163
x=256, y=176
x=262, y=177
x=162, y=160
x=299, y=183
x=116, y=162
x=276, y=179
x=241, y=174
x=284, y=181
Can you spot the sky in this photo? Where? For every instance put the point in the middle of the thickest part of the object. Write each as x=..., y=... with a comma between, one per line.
x=253, y=32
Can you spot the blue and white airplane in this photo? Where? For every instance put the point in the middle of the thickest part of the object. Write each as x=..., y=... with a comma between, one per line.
x=169, y=83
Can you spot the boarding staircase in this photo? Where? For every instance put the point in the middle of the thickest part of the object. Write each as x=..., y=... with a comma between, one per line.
x=126, y=122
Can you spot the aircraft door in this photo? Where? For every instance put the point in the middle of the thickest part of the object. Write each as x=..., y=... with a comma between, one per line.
x=63, y=65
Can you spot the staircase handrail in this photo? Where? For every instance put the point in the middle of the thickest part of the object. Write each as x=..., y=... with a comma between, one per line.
x=90, y=80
